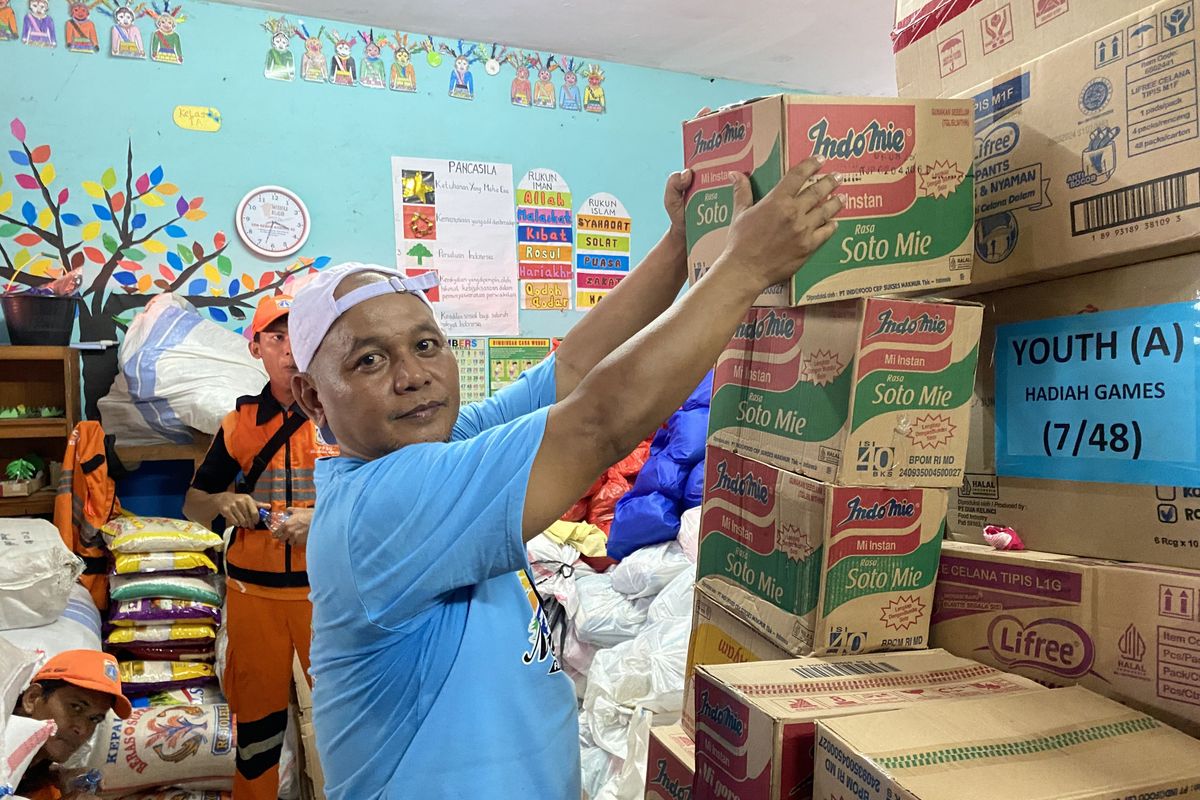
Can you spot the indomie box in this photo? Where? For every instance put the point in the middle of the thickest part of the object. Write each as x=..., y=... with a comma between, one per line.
x=1089, y=157
x=670, y=762
x=755, y=723
x=1130, y=631
x=819, y=568
x=720, y=636
x=1064, y=743
x=870, y=392
x=908, y=187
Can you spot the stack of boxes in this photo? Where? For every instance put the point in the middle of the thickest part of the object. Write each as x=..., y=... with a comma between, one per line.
x=845, y=425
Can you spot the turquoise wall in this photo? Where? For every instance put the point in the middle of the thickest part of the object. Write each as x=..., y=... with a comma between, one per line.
x=331, y=144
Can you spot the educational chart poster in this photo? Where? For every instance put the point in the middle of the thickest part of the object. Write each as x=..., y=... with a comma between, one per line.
x=508, y=358
x=472, y=368
x=602, y=237
x=544, y=235
x=456, y=219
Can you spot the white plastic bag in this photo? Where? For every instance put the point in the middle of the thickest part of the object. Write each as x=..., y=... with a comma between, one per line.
x=630, y=782
x=78, y=628
x=689, y=533
x=37, y=572
x=17, y=667
x=181, y=371
x=606, y=617
x=645, y=572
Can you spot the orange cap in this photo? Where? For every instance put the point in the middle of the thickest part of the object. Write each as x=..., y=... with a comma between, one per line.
x=270, y=308
x=88, y=669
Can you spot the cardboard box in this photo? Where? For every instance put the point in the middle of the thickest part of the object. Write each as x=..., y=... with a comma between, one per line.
x=1065, y=743
x=1087, y=160
x=720, y=636
x=1130, y=631
x=312, y=777
x=670, y=764
x=1151, y=523
x=945, y=47
x=818, y=568
x=870, y=392
x=756, y=722
x=906, y=164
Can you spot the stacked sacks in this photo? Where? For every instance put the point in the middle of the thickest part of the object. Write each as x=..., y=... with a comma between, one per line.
x=670, y=482
x=165, y=604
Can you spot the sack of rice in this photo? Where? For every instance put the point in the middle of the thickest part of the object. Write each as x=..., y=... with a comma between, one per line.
x=130, y=534
x=170, y=563
x=163, y=611
x=17, y=667
x=37, y=572
x=148, y=677
x=137, y=587
x=78, y=628
x=190, y=747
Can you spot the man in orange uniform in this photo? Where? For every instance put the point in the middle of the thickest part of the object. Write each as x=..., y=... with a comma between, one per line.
x=262, y=458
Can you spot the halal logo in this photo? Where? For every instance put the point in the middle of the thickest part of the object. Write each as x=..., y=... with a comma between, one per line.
x=1131, y=645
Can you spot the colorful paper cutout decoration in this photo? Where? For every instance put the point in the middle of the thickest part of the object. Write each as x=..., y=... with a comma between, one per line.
x=281, y=63
x=37, y=29
x=165, y=46
x=312, y=63
x=462, y=83
x=79, y=32
x=521, y=92
x=543, y=88
x=8, y=22
x=404, y=71
x=372, y=74
x=603, y=231
x=568, y=98
x=544, y=241
x=204, y=119
x=126, y=38
x=342, y=70
x=432, y=57
x=593, y=93
x=495, y=60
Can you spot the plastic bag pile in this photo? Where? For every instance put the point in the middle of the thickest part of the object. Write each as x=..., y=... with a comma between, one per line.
x=622, y=636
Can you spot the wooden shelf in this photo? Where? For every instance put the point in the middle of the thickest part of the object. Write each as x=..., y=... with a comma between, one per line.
x=133, y=455
x=41, y=502
x=34, y=428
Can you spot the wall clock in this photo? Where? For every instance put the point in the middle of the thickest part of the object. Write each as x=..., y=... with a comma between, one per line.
x=273, y=221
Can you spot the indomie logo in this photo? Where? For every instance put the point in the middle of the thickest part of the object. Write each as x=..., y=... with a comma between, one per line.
x=673, y=786
x=729, y=132
x=892, y=507
x=770, y=326
x=909, y=326
x=742, y=485
x=874, y=138
x=723, y=716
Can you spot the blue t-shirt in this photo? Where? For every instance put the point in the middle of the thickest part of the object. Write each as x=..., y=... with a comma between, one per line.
x=432, y=671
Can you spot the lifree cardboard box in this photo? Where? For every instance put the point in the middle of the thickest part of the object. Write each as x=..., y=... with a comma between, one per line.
x=908, y=186
x=720, y=636
x=670, y=763
x=819, y=568
x=1158, y=522
x=871, y=392
x=1130, y=631
x=944, y=48
x=755, y=723
x=1089, y=157
x=1063, y=743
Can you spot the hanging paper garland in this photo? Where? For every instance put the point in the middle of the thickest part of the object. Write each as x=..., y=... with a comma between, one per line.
x=544, y=241
x=372, y=74
x=79, y=32
x=593, y=93
x=404, y=71
x=165, y=46
x=37, y=28
x=603, y=234
x=342, y=69
x=568, y=98
x=281, y=63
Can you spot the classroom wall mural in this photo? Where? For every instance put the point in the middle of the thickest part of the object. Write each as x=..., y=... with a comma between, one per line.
x=177, y=111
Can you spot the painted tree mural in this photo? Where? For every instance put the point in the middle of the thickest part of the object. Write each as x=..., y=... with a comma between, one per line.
x=126, y=222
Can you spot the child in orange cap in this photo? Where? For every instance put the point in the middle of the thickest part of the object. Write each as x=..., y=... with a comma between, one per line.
x=76, y=689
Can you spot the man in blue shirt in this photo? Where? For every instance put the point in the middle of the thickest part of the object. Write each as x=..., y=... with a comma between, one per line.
x=433, y=673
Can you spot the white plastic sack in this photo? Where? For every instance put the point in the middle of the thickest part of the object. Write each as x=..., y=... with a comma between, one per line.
x=606, y=617
x=37, y=572
x=630, y=782
x=181, y=371
x=674, y=602
x=17, y=667
x=20, y=741
x=645, y=572
x=555, y=568
x=689, y=533
x=78, y=628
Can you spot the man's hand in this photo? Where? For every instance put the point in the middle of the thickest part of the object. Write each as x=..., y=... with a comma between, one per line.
x=238, y=509
x=769, y=241
x=294, y=529
x=674, y=200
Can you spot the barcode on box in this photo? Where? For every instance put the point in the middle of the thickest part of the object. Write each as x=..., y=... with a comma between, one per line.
x=844, y=669
x=1167, y=195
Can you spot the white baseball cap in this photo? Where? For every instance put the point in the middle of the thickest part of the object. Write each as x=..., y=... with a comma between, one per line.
x=315, y=307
